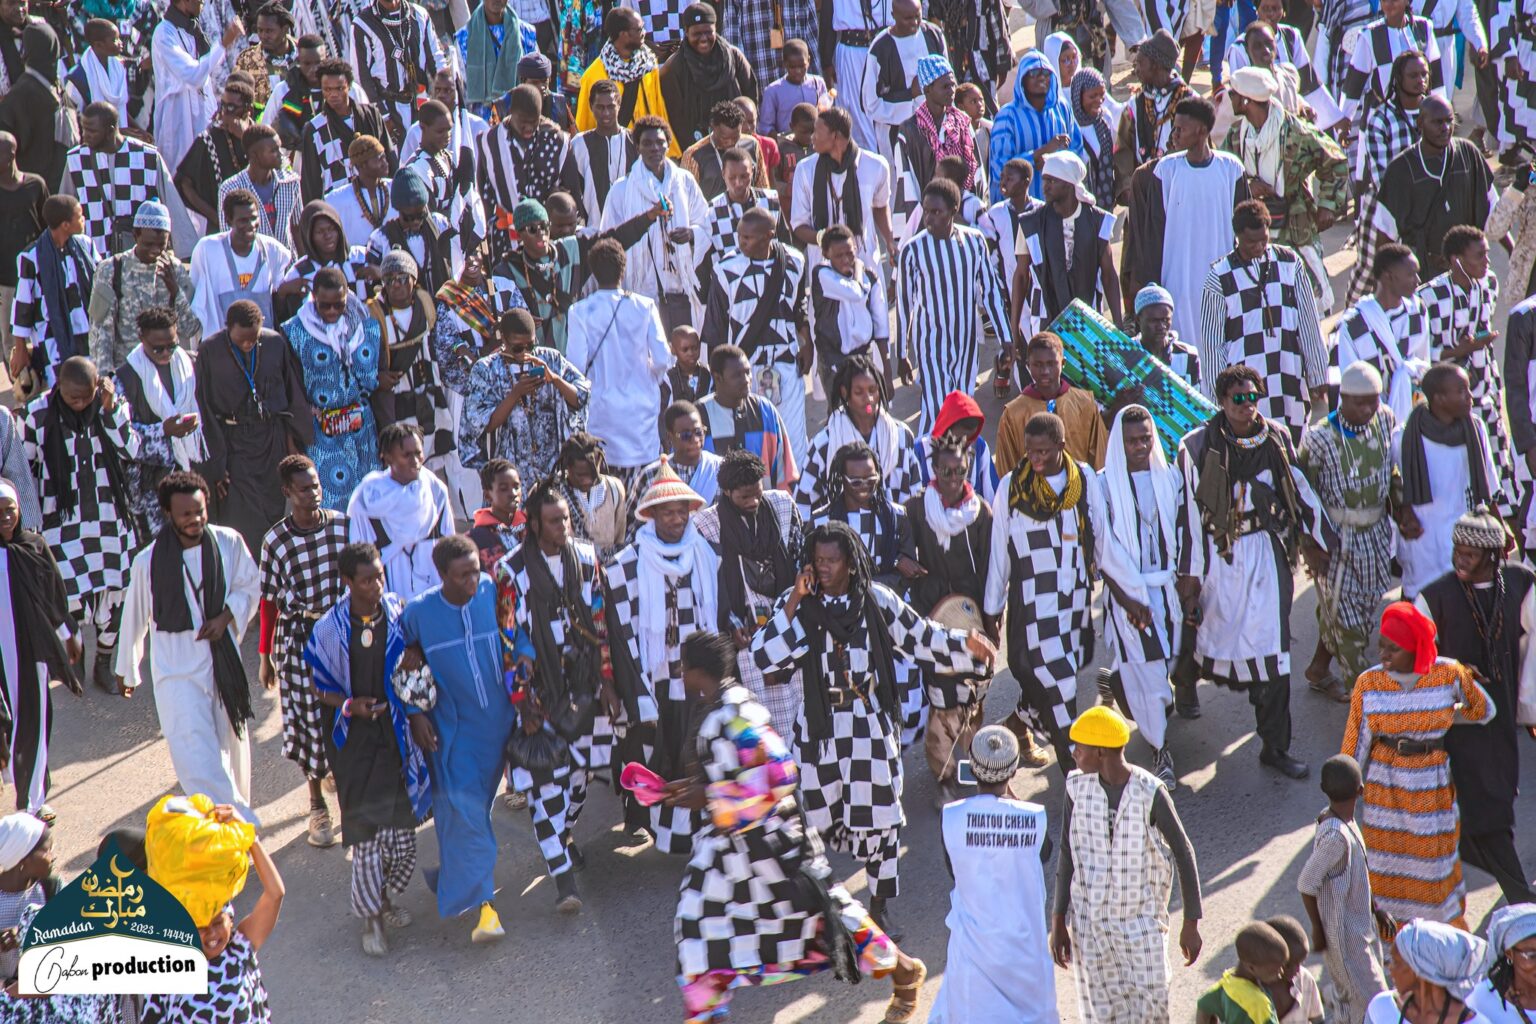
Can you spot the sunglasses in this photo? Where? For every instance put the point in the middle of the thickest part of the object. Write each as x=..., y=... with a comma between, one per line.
x=950, y=472
x=1247, y=398
x=690, y=435
x=161, y=350
x=863, y=481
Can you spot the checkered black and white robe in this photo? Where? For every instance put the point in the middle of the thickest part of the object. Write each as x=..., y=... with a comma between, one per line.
x=1038, y=573
x=1365, y=84
x=1452, y=312
x=510, y=169
x=739, y=288
x=1407, y=346
x=1264, y=313
x=395, y=64
x=555, y=804
x=851, y=779
x=299, y=575
x=663, y=21
x=661, y=701
x=95, y=544
x=29, y=312
x=112, y=185
x=902, y=475
x=725, y=213
x=1512, y=32
x=1389, y=129
x=749, y=24
x=942, y=284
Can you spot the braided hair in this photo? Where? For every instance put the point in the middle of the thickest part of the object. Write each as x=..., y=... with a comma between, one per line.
x=842, y=382
x=544, y=492
x=1399, y=69
x=837, y=472
x=582, y=447
x=1490, y=629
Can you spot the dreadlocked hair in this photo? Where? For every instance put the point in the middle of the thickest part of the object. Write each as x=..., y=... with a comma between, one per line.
x=583, y=447
x=842, y=382
x=861, y=571
x=837, y=472
x=1490, y=630
x=545, y=492
x=740, y=468
x=1400, y=69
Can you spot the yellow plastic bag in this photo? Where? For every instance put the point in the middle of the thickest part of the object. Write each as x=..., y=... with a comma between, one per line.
x=200, y=861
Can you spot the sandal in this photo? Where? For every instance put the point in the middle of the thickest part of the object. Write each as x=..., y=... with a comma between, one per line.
x=1331, y=686
x=903, y=1005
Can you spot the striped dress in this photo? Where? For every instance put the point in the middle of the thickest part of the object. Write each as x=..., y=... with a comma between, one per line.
x=1409, y=816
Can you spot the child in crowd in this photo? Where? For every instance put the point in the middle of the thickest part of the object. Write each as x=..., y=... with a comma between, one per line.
x=1241, y=996
x=1336, y=890
x=596, y=497
x=1000, y=226
x=794, y=87
x=848, y=305
x=973, y=105
x=498, y=527
x=794, y=146
x=688, y=380
x=1296, y=997
x=766, y=144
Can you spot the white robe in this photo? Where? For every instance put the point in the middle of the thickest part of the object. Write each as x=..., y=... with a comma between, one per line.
x=652, y=267
x=211, y=278
x=186, y=91
x=992, y=973
x=207, y=755
x=413, y=516
x=1427, y=558
x=1198, y=229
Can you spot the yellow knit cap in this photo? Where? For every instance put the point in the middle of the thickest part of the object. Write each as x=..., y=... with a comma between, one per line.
x=1100, y=727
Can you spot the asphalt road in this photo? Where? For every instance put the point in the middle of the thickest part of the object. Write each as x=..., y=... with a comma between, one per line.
x=614, y=963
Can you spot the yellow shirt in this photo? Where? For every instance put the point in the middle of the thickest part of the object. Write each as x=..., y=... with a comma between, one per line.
x=648, y=102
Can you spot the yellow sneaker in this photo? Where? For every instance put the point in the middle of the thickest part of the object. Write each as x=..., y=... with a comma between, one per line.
x=489, y=929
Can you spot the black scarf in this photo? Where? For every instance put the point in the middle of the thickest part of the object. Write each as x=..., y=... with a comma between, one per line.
x=1422, y=426
x=1224, y=462
x=172, y=614
x=40, y=606
x=752, y=559
x=883, y=559
x=546, y=600
x=177, y=18
x=691, y=84
x=70, y=479
x=54, y=284
x=821, y=191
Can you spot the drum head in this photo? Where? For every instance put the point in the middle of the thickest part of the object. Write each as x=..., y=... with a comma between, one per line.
x=957, y=612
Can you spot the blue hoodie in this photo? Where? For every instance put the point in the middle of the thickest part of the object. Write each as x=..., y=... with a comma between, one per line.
x=1020, y=129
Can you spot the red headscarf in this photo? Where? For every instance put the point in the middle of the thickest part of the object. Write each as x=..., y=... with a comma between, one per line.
x=1412, y=630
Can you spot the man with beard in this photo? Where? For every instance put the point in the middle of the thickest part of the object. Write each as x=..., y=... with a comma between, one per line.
x=78, y=436
x=1145, y=131
x=1246, y=507
x=216, y=154
x=250, y=393
x=395, y=55
x=1484, y=610
x=551, y=613
x=630, y=65
x=518, y=159
x=193, y=592
x=936, y=129
x=704, y=71
x=844, y=631
x=1389, y=130
x=329, y=133
x=755, y=532
x=145, y=276
x=186, y=69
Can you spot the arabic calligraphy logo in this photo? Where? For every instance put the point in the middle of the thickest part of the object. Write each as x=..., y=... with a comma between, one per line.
x=114, y=896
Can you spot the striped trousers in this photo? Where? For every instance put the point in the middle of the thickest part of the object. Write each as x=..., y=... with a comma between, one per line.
x=381, y=866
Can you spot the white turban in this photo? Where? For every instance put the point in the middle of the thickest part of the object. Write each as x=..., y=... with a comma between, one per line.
x=1255, y=83
x=1069, y=167
x=19, y=836
x=1360, y=378
x=8, y=490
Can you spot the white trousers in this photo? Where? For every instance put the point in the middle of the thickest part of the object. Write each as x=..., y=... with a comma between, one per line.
x=207, y=755
x=1149, y=694
x=849, y=62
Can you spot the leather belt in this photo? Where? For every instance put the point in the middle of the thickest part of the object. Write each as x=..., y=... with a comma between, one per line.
x=1356, y=518
x=1408, y=745
x=840, y=698
x=855, y=37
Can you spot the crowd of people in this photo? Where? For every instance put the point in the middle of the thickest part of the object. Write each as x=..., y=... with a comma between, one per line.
x=316, y=329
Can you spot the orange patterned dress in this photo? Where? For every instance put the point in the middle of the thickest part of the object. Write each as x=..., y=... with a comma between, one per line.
x=1408, y=815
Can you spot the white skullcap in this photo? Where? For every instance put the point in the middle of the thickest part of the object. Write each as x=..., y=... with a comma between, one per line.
x=1360, y=378
x=1253, y=83
x=19, y=836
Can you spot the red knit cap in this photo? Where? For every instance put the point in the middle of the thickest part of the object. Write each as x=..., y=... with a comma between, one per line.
x=1412, y=630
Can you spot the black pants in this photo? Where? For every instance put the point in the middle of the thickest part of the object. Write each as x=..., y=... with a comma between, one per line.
x=1271, y=700
x=1494, y=852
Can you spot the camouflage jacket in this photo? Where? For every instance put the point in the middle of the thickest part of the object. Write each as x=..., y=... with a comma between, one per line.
x=1316, y=175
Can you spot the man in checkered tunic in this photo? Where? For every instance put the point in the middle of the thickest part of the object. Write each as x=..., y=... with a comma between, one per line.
x=740, y=195
x=1042, y=542
x=1512, y=29
x=327, y=138
x=1246, y=506
x=550, y=605
x=78, y=436
x=844, y=631
x=112, y=175
x=857, y=411
x=54, y=275
x=661, y=588
x=756, y=534
x=1459, y=308
x=1258, y=309
x=1389, y=129
x=299, y=584
x=1388, y=329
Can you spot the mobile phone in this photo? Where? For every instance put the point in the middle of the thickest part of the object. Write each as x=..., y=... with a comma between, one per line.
x=964, y=774
x=536, y=371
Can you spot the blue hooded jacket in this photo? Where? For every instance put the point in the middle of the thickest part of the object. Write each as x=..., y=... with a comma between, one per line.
x=1020, y=129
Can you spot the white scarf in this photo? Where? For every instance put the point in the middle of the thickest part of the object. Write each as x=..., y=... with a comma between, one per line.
x=704, y=478
x=645, y=190
x=1401, y=372
x=342, y=337
x=690, y=557
x=1124, y=526
x=410, y=514
x=108, y=82
x=1261, y=150
x=885, y=439
x=182, y=401
x=948, y=522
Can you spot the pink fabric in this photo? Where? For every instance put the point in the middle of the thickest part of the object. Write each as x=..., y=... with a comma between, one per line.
x=648, y=787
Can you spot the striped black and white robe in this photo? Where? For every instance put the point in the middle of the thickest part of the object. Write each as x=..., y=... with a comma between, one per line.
x=555, y=804
x=1038, y=573
x=851, y=771
x=941, y=284
x=324, y=146
x=1168, y=14
x=111, y=185
x=656, y=713
x=395, y=60
x=1512, y=30
x=450, y=179
x=887, y=537
x=511, y=169
x=1264, y=313
x=1451, y=312
x=1339, y=24
x=593, y=162
x=1389, y=129
x=1366, y=82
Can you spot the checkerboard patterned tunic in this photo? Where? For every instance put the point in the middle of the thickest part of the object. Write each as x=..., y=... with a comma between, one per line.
x=664, y=21
x=1408, y=344
x=1452, y=312
x=725, y=214
x=1389, y=129
x=661, y=700
x=554, y=804
x=1263, y=313
x=903, y=478
x=1512, y=31
x=1370, y=66
x=94, y=544
x=299, y=574
x=29, y=313
x=852, y=781
x=112, y=185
